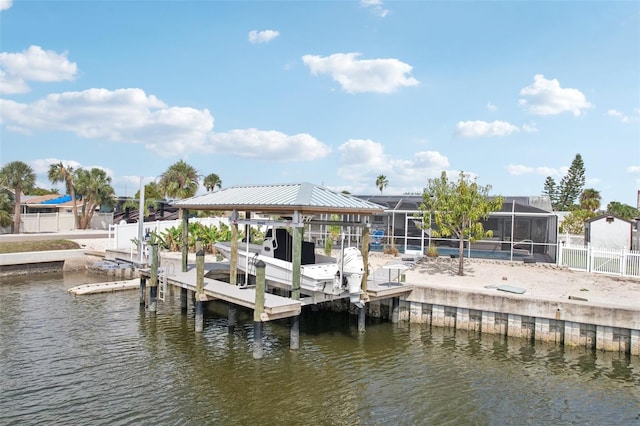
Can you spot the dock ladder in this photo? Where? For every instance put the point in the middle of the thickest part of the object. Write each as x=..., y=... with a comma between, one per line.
x=163, y=278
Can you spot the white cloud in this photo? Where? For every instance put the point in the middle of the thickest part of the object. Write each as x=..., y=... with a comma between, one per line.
x=491, y=107
x=376, y=7
x=530, y=127
x=362, y=75
x=546, y=97
x=478, y=128
x=269, y=145
x=362, y=160
x=132, y=116
x=623, y=117
x=633, y=169
x=5, y=4
x=262, y=36
x=33, y=64
x=519, y=169
x=41, y=166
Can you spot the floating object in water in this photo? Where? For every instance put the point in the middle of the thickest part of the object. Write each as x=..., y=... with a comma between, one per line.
x=105, y=287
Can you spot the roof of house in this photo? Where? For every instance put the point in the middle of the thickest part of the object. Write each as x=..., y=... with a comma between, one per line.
x=606, y=216
x=305, y=198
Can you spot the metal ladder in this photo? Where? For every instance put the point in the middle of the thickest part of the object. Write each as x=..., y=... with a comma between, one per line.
x=163, y=281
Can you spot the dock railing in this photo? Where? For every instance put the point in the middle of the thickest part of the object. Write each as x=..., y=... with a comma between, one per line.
x=621, y=262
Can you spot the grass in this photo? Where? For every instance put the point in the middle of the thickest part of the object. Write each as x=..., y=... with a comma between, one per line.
x=29, y=246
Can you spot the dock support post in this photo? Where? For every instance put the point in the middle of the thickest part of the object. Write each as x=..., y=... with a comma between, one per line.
x=185, y=239
x=361, y=319
x=295, y=332
x=183, y=299
x=199, y=287
x=395, y=310
x=143, y=291
x=153, y=284
x=258, y=310
x=296, y=265
x=231, y=321
x=233, y=261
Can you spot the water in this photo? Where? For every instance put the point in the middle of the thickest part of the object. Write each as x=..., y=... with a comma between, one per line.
x=100, y=359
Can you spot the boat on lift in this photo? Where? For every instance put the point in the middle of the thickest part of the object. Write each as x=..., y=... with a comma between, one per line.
x=319, y=274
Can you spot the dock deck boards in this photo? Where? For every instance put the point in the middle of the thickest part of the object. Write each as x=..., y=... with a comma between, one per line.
x=275, y=307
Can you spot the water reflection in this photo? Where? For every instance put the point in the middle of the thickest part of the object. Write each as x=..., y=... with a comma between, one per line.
x=103, y=359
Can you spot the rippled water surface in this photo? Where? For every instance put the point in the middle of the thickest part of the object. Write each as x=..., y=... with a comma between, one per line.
x=100, y=359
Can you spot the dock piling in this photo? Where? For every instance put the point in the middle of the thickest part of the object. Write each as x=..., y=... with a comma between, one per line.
x=143, y=291
x=258, y=310
x=362, y=318
x=183, y=299
x=231, y=321
x=395, y=310
x=199, y=287
x=153, y=284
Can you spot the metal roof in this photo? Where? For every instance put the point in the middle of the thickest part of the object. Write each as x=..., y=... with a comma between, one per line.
x=280, y=198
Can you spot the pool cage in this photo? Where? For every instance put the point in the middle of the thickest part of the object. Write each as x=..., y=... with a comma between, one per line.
x=525, y=228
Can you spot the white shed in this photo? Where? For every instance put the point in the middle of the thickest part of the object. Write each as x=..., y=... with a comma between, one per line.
x=608, y=231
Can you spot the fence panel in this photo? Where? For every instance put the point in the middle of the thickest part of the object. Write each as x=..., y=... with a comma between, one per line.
x=599, y=260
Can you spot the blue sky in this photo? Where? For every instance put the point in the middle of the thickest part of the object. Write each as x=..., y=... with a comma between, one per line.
x=329, y=92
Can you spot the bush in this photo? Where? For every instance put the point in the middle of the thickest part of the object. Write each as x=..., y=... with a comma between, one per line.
x=432, y=251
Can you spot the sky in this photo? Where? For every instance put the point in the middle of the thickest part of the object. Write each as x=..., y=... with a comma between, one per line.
x=334, y=93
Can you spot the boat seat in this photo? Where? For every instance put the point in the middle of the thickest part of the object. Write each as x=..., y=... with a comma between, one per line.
x=269, y=246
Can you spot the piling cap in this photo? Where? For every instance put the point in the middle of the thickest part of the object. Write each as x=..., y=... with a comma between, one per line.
x=260, y=264
x=200, y=252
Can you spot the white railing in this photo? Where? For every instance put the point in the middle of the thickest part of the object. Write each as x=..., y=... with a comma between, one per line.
x=598, y=260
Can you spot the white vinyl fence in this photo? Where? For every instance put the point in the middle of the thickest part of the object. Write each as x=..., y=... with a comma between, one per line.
x=598, y=260
x=121, y=236
x=58, y=222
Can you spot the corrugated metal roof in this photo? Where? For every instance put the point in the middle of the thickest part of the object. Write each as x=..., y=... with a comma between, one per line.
x=304, y=197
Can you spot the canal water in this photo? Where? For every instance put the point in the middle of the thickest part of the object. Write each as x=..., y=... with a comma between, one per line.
x=100, y=359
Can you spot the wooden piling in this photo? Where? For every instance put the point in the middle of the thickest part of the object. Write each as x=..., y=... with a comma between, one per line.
x=362, y=315
x=185, y=239
x=143, y=291
x=258, y=309
x=233, y=262
x=153, y=284
x=395, y=310
x=199, y=287
x=184, y=293
x=231, y=318
x=296, y=282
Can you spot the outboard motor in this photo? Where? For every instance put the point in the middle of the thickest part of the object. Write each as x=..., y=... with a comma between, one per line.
x=351, y=264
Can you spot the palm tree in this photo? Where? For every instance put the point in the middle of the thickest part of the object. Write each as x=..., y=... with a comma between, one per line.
x=590, y=199
x=19, y=177
x=212, y=181
x=382, y=182
x=94, y=188
x=5, y=210
x=179, y=181
x=60, y=173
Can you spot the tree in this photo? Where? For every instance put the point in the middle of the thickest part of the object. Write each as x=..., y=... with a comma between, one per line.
x=590, y=199
x=382, y=182
x=571, y=185
x=573, y=223
x=94, y=188
x=5, y=210
x=179, y=181
x=212, y=181
x=458, y=209
x=152, y=195
x=19, y=177
x=551, y=190
x=66, y=174
x=624, y=211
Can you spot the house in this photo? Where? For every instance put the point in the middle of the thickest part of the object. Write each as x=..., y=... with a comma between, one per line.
x=608, y=231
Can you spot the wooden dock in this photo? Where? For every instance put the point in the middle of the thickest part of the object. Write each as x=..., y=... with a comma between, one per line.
x=105, y=287
x=275, y=307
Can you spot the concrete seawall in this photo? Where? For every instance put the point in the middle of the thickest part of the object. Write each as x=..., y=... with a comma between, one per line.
x=570, y=324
